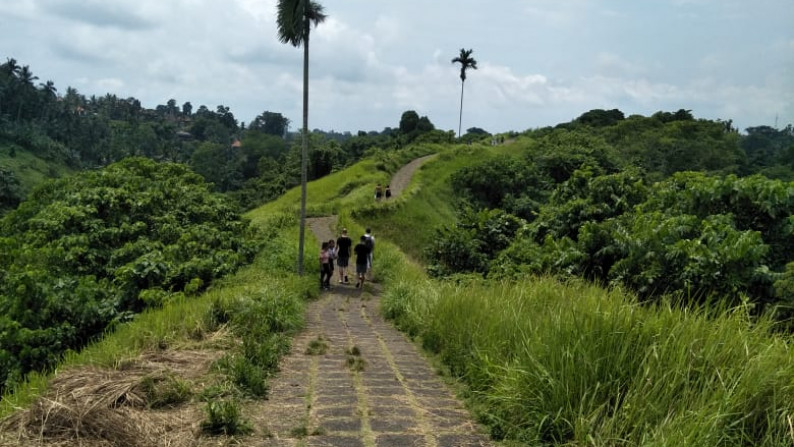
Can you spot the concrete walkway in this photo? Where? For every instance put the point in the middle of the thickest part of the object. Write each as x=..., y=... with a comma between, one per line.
x=353, y=380
x=371, y=386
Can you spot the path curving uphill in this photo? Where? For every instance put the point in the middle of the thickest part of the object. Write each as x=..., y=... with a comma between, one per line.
x=402, y=178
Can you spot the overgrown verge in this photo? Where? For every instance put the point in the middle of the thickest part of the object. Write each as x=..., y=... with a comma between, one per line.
x=185, y=370
x=572, y=364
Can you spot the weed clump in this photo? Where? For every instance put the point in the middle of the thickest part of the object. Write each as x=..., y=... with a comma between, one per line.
x=317, y=346
x=224, y=418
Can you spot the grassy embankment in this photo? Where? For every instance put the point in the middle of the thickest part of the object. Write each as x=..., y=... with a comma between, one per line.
x=545, y=362
x=29, y=169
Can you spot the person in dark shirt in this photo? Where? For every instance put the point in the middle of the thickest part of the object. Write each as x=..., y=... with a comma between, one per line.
x=362, y=255
x=325, y=268
x=343, y=246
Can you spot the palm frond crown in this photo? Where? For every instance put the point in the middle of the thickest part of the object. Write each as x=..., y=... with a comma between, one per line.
x=290, y=19
x=466, y=61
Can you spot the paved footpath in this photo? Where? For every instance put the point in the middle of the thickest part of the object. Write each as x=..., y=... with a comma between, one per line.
x=371, y=387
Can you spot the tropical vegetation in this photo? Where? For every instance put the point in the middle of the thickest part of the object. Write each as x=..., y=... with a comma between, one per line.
x=610, y=280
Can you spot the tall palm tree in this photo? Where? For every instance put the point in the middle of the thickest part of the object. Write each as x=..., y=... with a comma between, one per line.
x=466, y=61
x=294, y=21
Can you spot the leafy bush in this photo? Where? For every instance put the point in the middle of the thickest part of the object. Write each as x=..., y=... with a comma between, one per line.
x=85, y=252
x=472, y=242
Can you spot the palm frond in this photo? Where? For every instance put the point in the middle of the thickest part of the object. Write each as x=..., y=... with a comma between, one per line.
x=316, y=13
x=466, y=61
x=290, y=19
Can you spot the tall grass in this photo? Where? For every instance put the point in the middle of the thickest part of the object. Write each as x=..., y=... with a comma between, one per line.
x=546, y=362
x=573, y=364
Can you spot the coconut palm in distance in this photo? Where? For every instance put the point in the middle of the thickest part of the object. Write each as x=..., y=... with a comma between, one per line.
x=466, y=62
x=294, y=21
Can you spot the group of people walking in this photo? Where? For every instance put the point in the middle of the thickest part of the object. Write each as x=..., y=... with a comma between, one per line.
x=341, y=250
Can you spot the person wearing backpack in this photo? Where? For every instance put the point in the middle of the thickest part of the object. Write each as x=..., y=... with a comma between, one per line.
x=369, y=242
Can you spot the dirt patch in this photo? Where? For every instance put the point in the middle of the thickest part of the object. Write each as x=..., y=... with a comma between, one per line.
x=324, y=228
x=97, y=407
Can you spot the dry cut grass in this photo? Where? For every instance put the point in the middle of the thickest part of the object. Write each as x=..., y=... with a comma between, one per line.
x=95, y=407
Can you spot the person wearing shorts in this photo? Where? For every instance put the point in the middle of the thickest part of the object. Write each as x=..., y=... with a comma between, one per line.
x=362, y=255
x=343, y=248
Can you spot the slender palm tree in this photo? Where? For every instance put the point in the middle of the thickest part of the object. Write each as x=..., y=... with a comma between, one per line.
x=294, y=22
x=466, y=62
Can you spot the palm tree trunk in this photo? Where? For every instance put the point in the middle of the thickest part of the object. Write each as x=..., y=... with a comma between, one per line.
x=460, y=118
x=304, y=142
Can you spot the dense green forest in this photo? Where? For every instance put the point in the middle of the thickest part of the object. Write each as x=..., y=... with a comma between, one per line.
x=662, y=204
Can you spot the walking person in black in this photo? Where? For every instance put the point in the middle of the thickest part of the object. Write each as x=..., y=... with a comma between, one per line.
x=388, y=192
x=332, y=254
x=343, y=247
x=362, y=254
x=325, y=267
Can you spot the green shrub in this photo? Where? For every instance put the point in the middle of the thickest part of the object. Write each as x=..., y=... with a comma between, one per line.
x=90, y=251
x=224, y=418
x=165, y=390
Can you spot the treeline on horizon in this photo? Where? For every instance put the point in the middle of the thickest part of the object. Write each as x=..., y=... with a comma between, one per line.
x=252, y=163
x=256, y=162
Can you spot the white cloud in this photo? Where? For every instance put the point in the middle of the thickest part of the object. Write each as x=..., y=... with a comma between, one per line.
x=540, y=62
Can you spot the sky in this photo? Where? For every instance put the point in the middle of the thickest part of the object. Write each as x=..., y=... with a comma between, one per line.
x=540, y=62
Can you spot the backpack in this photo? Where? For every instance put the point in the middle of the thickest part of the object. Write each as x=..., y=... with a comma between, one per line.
x=369, y=243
